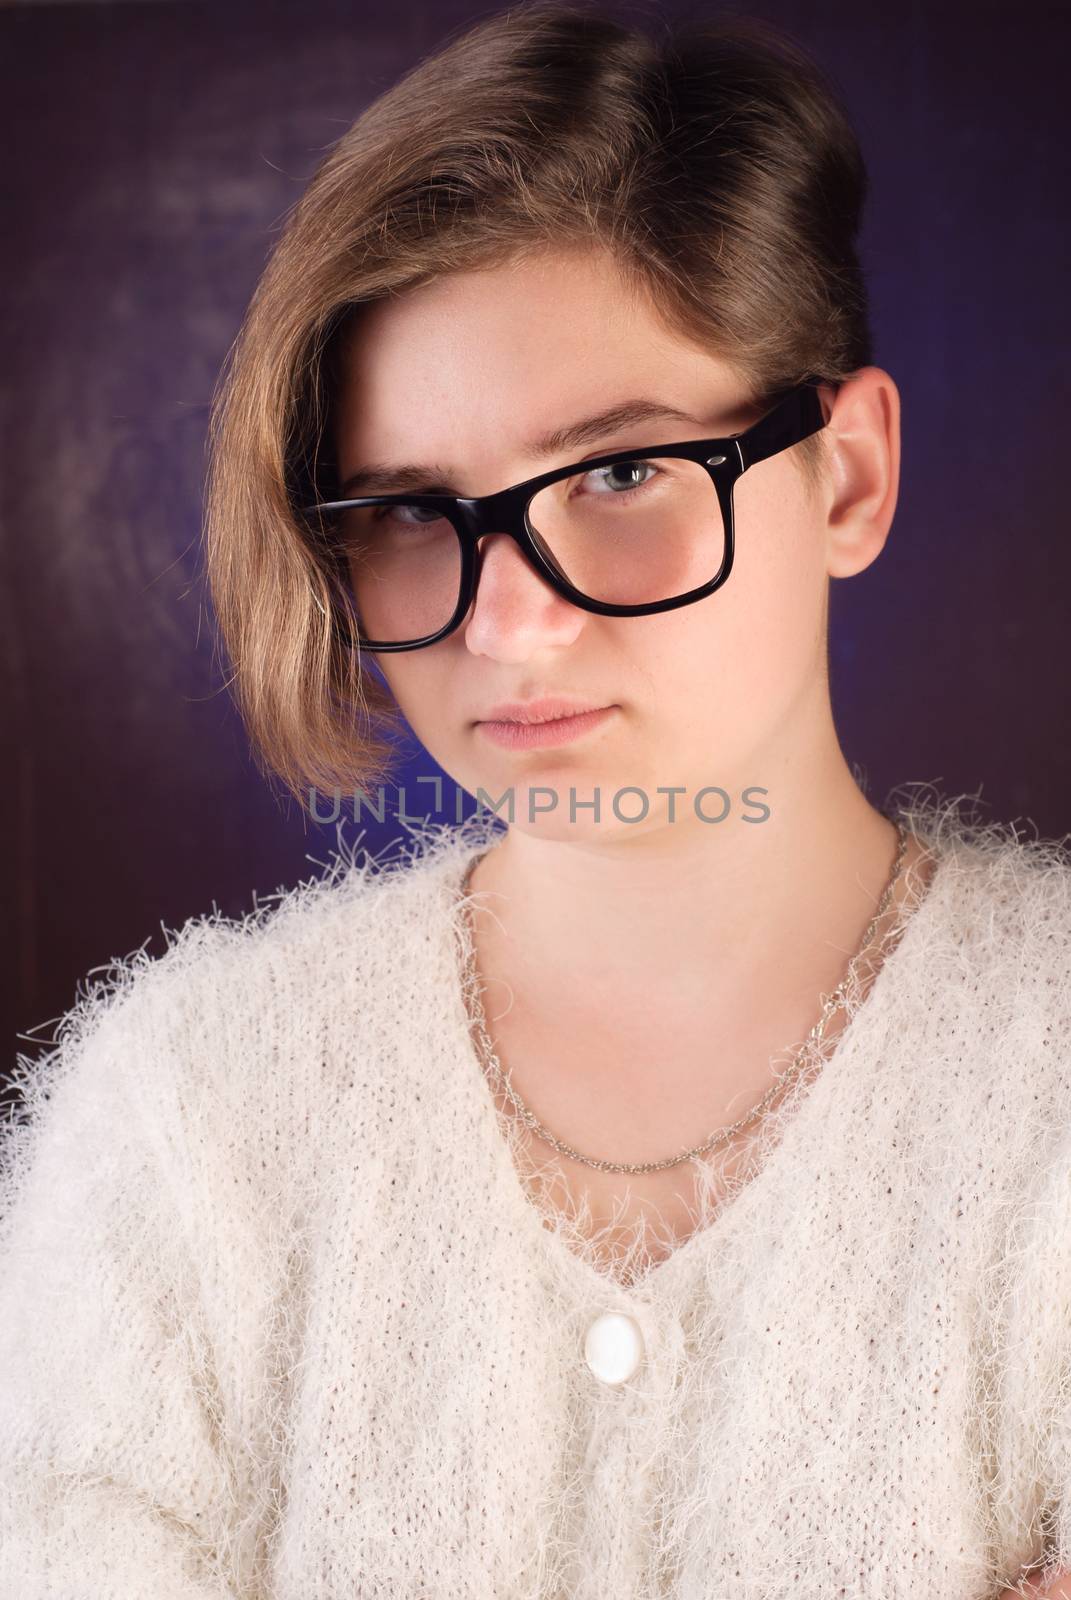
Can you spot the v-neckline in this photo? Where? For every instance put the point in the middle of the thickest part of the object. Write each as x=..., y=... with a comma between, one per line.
x=789, y=1115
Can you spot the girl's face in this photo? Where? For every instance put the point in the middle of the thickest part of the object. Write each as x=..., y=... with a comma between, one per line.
x=462, y=374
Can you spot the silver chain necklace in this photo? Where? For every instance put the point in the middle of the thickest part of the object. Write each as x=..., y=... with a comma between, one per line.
x=721, y=1136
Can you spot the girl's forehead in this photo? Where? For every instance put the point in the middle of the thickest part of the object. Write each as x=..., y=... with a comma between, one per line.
x=527, y=363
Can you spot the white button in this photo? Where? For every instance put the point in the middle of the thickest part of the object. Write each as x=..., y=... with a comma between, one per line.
x=613, y=1348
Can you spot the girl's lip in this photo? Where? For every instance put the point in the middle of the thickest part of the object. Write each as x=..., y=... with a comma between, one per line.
x=557, y=730
x=543, y=709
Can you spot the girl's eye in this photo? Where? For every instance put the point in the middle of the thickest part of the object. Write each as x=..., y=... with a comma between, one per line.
x=620, y=469
x=408, y=516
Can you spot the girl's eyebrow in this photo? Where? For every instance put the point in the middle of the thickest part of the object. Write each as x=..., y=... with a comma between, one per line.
x=382, y=478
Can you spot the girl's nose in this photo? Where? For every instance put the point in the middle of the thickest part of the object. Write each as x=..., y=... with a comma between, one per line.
x=513, y=599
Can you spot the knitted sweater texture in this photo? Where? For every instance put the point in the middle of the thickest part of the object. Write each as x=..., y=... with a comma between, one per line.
x=279, y=1319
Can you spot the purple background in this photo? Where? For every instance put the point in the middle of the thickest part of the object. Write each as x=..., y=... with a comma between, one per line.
x=151, y=151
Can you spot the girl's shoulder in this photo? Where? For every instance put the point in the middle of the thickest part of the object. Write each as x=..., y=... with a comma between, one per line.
x=993, y=951
x=228, y=1018
x=1006, y=889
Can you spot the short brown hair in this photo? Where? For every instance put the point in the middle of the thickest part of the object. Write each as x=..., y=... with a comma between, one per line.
x=712, y=158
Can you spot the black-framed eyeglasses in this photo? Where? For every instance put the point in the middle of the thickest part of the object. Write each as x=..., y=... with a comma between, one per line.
x=407, y=565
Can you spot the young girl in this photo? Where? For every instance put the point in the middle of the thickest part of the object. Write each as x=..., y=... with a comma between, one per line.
x=660, y=1184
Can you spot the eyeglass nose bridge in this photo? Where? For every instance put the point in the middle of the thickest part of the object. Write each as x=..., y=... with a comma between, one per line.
x=503, y=513
x=494, y=513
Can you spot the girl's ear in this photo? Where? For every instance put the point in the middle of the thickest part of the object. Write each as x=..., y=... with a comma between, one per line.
x=862, y=447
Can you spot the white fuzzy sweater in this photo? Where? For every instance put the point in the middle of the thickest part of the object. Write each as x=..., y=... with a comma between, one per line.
x=280, y=1321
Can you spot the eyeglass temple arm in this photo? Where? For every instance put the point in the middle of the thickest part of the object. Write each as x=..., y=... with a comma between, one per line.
x=798, y=416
